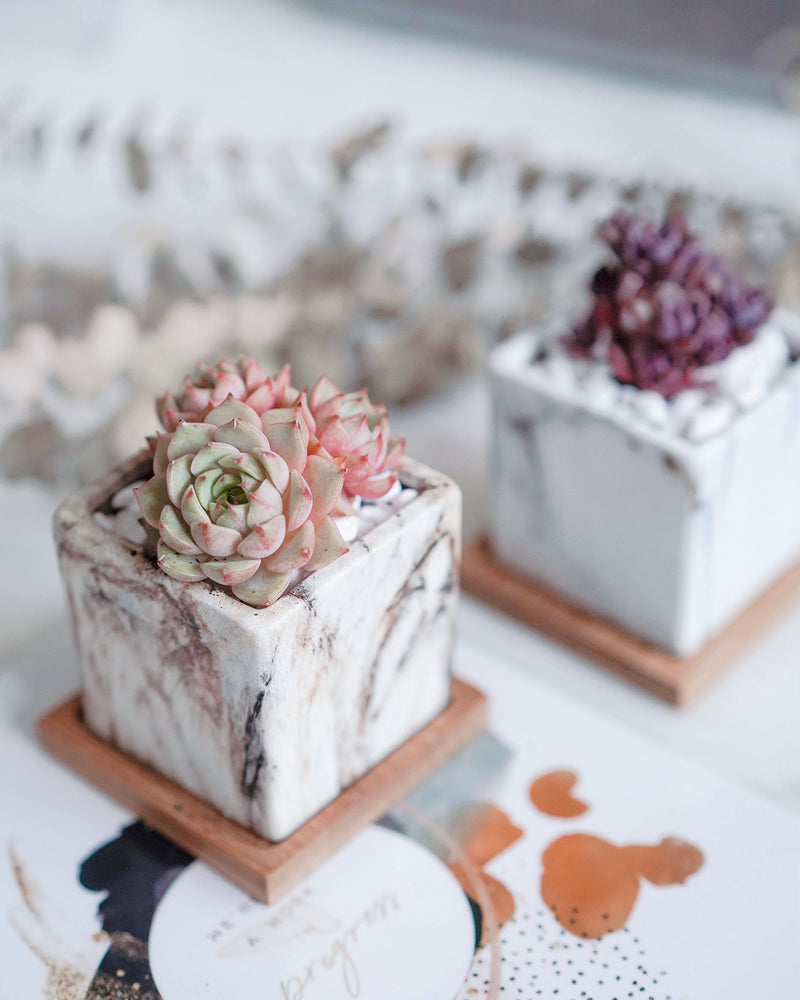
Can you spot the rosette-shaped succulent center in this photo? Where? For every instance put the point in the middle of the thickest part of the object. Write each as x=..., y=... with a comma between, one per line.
x=354, y=429
x=241, y=502
x=666, y=307
x=209, y=386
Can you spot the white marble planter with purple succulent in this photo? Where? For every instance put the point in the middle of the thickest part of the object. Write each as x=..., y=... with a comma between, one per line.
x=667, y=518
x=266, y=714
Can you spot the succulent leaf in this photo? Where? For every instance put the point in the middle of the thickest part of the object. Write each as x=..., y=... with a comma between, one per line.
x=230, y=572
x=263, y=588
x=204, y=485
x=214, y=539
x=210, y=456
x=188, y=438
x=179, y=476
x=242, y=434
x=160, y=459
x=329, y=544
x=288, y=440
x=228, y=384
x=299, y=502
x=262, y=398
x=322, y=392
x=265, y=502
x=173, y=531
x=374, y=487
x=192, y=510
x=152, y=497
x=325, y=481
x=275, y=467
x=246, y=464
x=187, y=569
x=233, y=516
x=295, y=552
x=230, y=410
x=264, y=539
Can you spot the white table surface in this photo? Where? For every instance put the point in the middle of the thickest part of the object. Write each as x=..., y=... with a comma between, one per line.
x=309, y=76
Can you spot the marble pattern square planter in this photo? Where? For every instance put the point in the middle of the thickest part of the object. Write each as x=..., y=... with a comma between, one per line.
x=266, y=714
x=667, y=537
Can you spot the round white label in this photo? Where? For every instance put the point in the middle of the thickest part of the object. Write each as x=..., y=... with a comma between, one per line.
x=384, y=919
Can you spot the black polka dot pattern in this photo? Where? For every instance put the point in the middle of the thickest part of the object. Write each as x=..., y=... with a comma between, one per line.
x=539, y=958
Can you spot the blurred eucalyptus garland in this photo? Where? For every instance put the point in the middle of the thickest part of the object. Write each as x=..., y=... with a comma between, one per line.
x=378, y=263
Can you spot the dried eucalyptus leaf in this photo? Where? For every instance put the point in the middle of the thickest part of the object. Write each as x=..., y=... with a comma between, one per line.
x=140, y=171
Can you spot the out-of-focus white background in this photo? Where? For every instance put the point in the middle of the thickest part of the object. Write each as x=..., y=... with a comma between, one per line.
x=263, y=69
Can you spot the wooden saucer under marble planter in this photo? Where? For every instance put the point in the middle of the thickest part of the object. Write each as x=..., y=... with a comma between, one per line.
x=264, y=869
x=678, y=680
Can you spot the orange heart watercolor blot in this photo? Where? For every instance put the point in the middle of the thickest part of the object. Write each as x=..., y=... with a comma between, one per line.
x=483, y=831
x=590, y=884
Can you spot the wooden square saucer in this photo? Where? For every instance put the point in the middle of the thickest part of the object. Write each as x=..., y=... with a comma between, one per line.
x=264, y=869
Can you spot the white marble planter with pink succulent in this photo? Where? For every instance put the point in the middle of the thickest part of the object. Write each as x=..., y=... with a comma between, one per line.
x=241, y=646
x=660, y=493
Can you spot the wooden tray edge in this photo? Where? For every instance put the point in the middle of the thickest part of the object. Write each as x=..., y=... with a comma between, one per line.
x=264, y=869
x=677, y=680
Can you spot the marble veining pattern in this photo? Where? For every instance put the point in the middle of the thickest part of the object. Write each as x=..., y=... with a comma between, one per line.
x=669, y=538
x=267, y=714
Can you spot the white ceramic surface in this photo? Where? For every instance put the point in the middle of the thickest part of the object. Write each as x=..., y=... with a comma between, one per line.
x=267, y=714
x=668, y=537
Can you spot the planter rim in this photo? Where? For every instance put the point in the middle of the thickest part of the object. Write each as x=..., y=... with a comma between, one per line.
x=76, y=512
x=507, y=361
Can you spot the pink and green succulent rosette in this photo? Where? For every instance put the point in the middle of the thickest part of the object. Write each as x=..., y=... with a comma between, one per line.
x=247, y=486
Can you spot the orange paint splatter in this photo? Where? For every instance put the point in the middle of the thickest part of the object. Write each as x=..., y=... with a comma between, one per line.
x=591, y=885
x=551, y=794
x=669, y=863
x=499, y=894
x=501, y=897
x=483, y=831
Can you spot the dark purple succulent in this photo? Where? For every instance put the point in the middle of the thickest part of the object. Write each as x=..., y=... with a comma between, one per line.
x=666, y=307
